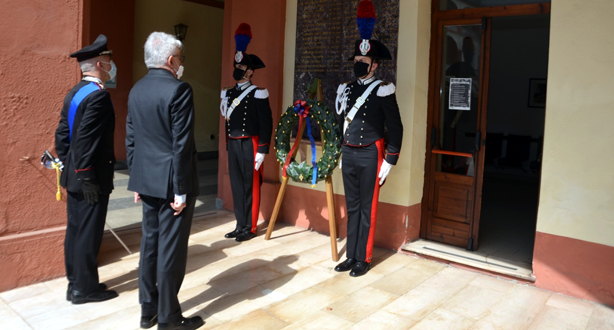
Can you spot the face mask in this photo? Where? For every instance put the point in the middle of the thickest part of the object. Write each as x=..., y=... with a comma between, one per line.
x=238, y=74
x=361, y=69
x=180, y=72
x=113, y=72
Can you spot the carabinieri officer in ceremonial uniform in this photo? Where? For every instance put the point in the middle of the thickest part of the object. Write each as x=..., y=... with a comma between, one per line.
x=369, y=107
x=84, y=143
x=249, y=123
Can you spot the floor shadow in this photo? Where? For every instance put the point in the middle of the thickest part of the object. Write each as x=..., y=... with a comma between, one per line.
x=112, y=250
x=236, y=284
x=380, y=255
x=198, y=256
x=288, y=234
x=341, y=252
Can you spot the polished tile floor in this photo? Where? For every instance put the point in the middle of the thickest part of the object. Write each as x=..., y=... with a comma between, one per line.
x=288, y=282
x=123, y=212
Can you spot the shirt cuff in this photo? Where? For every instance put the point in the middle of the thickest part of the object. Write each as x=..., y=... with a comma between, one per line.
x=180, y=198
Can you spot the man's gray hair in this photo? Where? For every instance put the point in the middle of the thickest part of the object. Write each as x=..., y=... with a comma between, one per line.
x=158, y=47
x=88, y=65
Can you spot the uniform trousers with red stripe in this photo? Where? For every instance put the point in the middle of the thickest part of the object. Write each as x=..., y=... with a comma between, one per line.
x=360, y=169
x=245, y=181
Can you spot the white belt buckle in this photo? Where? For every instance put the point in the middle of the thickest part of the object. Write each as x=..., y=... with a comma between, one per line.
x=359, y=102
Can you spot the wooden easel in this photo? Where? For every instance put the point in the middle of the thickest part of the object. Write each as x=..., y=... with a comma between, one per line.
x=332, y=224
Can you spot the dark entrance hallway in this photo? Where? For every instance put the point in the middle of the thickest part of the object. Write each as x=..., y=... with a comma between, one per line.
x=512, y=167
x=509, y=212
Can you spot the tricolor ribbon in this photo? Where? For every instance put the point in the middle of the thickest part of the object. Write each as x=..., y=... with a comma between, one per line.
x=302, y=110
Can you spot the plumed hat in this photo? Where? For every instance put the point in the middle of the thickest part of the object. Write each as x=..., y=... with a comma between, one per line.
x=99, y=47
x=365, y=19
x=243, y=36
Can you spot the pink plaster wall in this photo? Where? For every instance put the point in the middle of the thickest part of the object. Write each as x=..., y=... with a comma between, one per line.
x=268, y=44
x=35, y=75
x=574, y=267
x=115, y=19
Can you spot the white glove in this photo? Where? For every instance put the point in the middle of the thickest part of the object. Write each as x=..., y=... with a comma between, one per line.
x=258, y=161
x=340, y=163
x=383, y=172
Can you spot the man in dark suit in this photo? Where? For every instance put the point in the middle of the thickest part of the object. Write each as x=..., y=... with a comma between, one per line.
x=84, y=143
x=369, y=107
x=248, y=133
x=162, y=161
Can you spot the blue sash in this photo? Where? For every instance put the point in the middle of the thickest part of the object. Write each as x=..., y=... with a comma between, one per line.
x=76, y=100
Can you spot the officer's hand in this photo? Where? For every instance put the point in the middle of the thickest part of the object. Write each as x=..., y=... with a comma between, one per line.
x=258, y=161
x=91, y=190
x=137, y=197
x=340, y=163
x=383, y=172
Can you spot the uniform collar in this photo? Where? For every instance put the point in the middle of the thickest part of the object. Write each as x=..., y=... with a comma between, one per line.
x=366, y=81
x=94, y=80
x=244, y=85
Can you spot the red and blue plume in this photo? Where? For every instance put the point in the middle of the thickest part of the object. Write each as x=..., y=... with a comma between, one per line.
x=365, y=18
x=243, y=36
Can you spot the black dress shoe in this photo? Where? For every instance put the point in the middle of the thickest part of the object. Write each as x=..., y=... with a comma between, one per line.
x=102, y=286
x=346, y=265
x=148, y=321
x=183, y=323
x=96, y=296
x=245, y=236
x=360, y=269
x=233, y=233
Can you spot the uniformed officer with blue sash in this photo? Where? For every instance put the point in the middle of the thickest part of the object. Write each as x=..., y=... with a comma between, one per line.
x=84, y=143
x=368, y=107
x=249, y=123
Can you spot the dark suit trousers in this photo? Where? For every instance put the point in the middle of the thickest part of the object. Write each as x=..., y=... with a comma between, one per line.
x=83, y=237
x=245, y=182
x=360, y=168
x=164, y=252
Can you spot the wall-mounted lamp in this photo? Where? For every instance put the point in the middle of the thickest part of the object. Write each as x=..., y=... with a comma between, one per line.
x=180, y=31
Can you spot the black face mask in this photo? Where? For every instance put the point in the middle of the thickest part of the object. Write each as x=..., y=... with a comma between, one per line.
x=238, y=74
x=361, y=69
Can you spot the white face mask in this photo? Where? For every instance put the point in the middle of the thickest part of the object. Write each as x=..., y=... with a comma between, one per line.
x=113, y=72
x=179, y=72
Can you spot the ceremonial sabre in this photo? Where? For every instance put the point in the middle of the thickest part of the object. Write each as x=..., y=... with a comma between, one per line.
x=51, y=163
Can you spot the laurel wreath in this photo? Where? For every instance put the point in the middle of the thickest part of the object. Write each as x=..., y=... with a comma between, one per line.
x=331, y=142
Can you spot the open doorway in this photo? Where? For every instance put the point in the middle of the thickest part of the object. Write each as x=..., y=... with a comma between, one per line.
x=514, y=135
x=486, y=120
x=202, y=47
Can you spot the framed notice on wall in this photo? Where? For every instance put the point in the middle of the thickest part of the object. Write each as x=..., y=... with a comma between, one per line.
x=460, y=94
x=537, y=93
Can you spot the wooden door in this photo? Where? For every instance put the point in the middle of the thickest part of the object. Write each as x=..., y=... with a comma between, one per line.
x=460, y=56
x=457, y=125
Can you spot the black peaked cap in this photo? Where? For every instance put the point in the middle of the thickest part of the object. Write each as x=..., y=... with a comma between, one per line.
x=251, y=61
x=377, y=50
x=99, y=47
